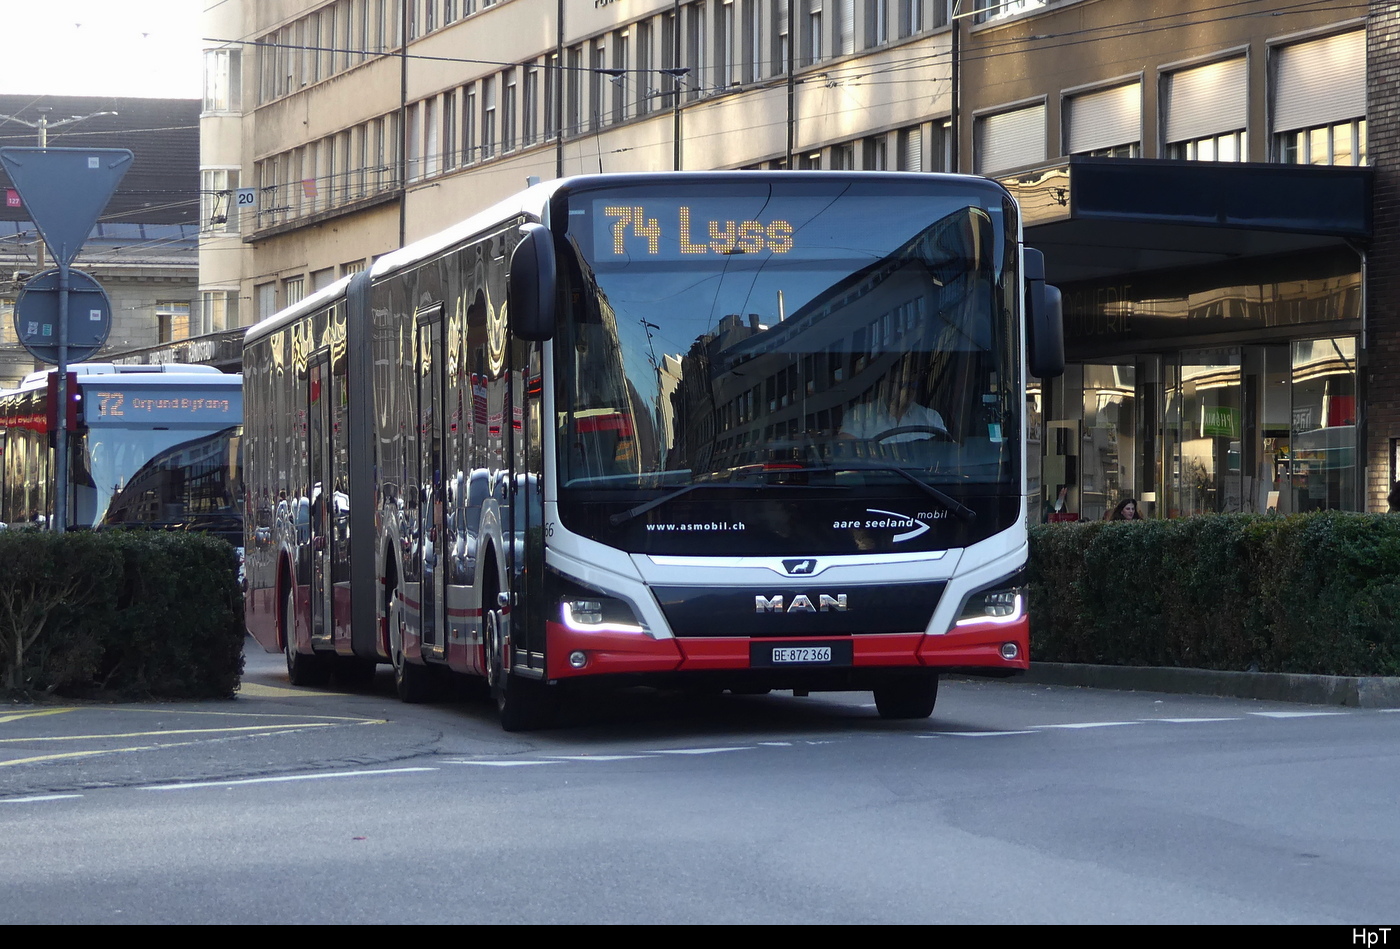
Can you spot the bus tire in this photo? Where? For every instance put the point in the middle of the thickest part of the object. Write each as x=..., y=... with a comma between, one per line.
x=524, y=704
x=303, y=669
x=413, y=681
x=912, y=697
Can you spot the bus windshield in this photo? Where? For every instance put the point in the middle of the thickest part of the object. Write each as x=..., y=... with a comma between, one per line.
x=815, y=341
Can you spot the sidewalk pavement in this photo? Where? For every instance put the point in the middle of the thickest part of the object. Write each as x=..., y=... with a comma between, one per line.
x=1357, y=691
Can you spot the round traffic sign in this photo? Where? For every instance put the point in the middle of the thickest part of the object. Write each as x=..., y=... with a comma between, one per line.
x=36, y=316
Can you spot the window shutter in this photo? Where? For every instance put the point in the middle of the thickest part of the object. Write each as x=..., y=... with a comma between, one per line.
x=1010, y=139
x=1103, y=119
x=1206, y=100
x=1320, y=82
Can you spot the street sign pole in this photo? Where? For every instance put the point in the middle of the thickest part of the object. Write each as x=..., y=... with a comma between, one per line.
x=60, y=508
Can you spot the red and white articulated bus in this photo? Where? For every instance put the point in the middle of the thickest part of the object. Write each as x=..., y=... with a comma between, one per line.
x=730, y=430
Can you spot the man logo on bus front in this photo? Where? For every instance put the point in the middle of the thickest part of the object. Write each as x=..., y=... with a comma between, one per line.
x=800, y=568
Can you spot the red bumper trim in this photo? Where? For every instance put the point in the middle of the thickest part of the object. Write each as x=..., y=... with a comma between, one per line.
x=608, y=652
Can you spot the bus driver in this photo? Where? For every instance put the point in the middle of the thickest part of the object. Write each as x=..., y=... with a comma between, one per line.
x=892, y=406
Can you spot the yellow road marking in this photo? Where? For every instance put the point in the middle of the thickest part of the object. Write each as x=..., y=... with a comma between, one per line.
x=88, y=754
x=177, y=731
x=19, y=715
x=254, y=690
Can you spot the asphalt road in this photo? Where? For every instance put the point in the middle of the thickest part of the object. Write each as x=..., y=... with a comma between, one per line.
x=1014, y=803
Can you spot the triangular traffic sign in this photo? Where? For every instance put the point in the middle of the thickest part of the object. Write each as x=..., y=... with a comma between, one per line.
x=65, y=189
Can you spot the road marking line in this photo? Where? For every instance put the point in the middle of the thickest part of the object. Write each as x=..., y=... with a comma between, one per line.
x=38, y=797
x=173, y=731
x=1295, y=714
x=89, y=754
x=502, y=764
x=21, y=715
x=699, y=751
x=1192, y=721
x=975, y=734
x=1087, y=725
x=776, y=744
x=282, y=778
x=597, y=757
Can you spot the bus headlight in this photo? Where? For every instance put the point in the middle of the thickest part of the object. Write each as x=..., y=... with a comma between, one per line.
x=1001, y=605
x=597, y=614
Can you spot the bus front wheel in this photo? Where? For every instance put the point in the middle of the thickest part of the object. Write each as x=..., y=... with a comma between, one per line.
x=912, y=697
x=524, y=704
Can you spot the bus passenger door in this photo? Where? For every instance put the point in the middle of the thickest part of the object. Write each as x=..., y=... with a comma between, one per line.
x=317, y=459
x=431, y=514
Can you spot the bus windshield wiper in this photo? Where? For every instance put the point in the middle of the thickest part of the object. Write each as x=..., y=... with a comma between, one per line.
x=627, y=515
x=958, y=508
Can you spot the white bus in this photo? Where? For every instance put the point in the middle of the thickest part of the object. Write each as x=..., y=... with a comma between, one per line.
x=149, y=446
x=731, y=430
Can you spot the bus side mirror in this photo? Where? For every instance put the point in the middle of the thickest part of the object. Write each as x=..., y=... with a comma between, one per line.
x=1045, y=325
x=532, y=283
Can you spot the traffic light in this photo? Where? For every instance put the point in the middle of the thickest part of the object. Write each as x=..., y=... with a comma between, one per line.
x=51, y=402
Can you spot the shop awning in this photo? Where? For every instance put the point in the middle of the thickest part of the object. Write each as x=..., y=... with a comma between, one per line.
x=1099, y=218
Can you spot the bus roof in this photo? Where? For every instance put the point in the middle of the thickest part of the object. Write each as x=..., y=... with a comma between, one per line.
x=532, y=202
x=171, y=374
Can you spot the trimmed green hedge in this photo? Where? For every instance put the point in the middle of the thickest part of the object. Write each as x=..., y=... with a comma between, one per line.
x=1308, y=593
x=126, y=614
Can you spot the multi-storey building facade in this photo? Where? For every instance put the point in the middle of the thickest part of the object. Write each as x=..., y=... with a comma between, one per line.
x=1196, y=171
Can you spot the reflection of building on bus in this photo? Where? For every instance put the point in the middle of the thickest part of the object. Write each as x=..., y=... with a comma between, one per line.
x=154, y=446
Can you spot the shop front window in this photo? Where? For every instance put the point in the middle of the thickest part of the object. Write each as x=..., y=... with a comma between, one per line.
x=1204, y=432
x=1322, y=459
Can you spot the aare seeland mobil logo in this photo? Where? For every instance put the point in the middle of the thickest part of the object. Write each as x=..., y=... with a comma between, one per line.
x=906, y=526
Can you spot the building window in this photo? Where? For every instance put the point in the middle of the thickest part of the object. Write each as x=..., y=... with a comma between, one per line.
x=293, y=290
x=172, y=320
x=488, y=117
x=1003, y=9
x=812, y=37
x=551, y=96
x=1205, y=111
x=782, y=39
x=530, y=107
x=218, y=310
x=1340, y=144
x=432, y=154
x=911, y=17
x=469, y=154
x=726, y=46
x=696, y=48
x=415, y=141
x=449, y=130
x=597, y=63
x=7, y=322
x=621, y=79
x=643, y=78
x=1106, y=123
x=911, y=148
x=1318, y=98
x=509, y=104
x=1006, y=140
x=877, y=22
x=845, y=38
x=221, y=80
x=217, y=211
x=573, y=118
